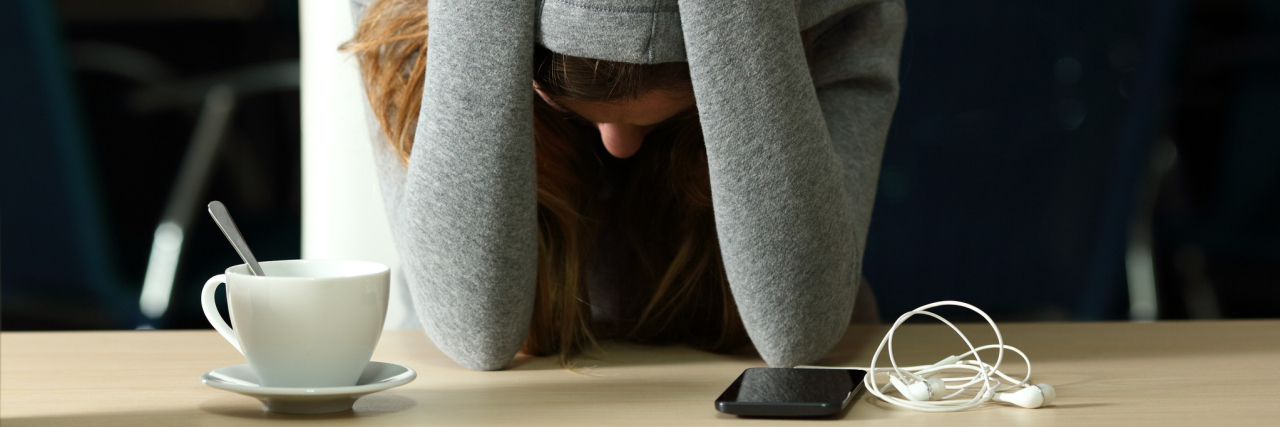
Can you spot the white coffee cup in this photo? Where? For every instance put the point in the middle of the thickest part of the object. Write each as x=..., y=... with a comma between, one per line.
x=306, y=323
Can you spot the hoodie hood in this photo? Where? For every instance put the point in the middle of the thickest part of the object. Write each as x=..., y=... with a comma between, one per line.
x=637, y=31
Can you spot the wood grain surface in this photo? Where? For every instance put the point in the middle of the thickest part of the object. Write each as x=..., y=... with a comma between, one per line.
x=1131, y=374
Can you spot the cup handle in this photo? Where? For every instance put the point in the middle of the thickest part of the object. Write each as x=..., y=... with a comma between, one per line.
x=211, y=310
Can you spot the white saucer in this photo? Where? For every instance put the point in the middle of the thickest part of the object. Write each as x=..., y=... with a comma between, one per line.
x=377, y=376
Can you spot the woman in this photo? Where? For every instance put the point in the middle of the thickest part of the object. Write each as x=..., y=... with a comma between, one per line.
x=568, y=170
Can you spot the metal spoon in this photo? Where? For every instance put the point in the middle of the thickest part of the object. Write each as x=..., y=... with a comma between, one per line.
x=223, y=218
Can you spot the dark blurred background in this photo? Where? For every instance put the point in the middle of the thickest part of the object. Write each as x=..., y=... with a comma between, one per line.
x=101, y=106
x=1049, y=160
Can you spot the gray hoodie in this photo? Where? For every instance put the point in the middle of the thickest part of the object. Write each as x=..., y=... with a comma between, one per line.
x=793, y=152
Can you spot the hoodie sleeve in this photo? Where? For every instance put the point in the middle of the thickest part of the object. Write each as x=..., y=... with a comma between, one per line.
x=793, y=168
x=463, y=214
x=855, y=70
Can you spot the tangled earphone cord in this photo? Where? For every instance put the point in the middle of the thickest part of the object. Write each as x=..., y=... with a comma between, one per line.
x=924, y=392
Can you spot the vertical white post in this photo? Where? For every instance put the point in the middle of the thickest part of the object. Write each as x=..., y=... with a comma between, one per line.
x=342, y=210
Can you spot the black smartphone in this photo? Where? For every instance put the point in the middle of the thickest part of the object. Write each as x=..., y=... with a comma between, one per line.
x=790, y=392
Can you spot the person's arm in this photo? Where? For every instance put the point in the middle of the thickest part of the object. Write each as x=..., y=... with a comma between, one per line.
x=463, y=213
x=855, y=71
x=793, y=169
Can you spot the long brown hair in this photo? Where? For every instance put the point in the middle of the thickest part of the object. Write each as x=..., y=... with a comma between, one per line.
x=666, y=217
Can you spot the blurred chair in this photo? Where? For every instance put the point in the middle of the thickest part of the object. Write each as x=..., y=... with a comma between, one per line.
x=1124, y=240
x=216, y=97
x=57, y=270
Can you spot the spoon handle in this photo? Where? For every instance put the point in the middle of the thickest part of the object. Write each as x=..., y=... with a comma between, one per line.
x=223, y=218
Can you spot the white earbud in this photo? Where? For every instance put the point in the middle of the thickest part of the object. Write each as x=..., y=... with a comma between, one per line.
x=1030, y=397
x=919, y=391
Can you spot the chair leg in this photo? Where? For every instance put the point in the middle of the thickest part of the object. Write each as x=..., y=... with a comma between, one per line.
x=186, y=196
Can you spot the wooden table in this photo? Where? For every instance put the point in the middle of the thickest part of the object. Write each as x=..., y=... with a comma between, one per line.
x=1152, y=374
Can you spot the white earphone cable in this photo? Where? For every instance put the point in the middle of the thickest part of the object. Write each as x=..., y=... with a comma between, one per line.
x=986, y=376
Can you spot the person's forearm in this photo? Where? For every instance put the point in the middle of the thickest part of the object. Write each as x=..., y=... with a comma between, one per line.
x=856, y=71
x=468, y=220
x=782, y=212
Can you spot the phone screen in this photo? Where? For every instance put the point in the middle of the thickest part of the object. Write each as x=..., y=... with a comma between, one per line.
x=790, y=392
